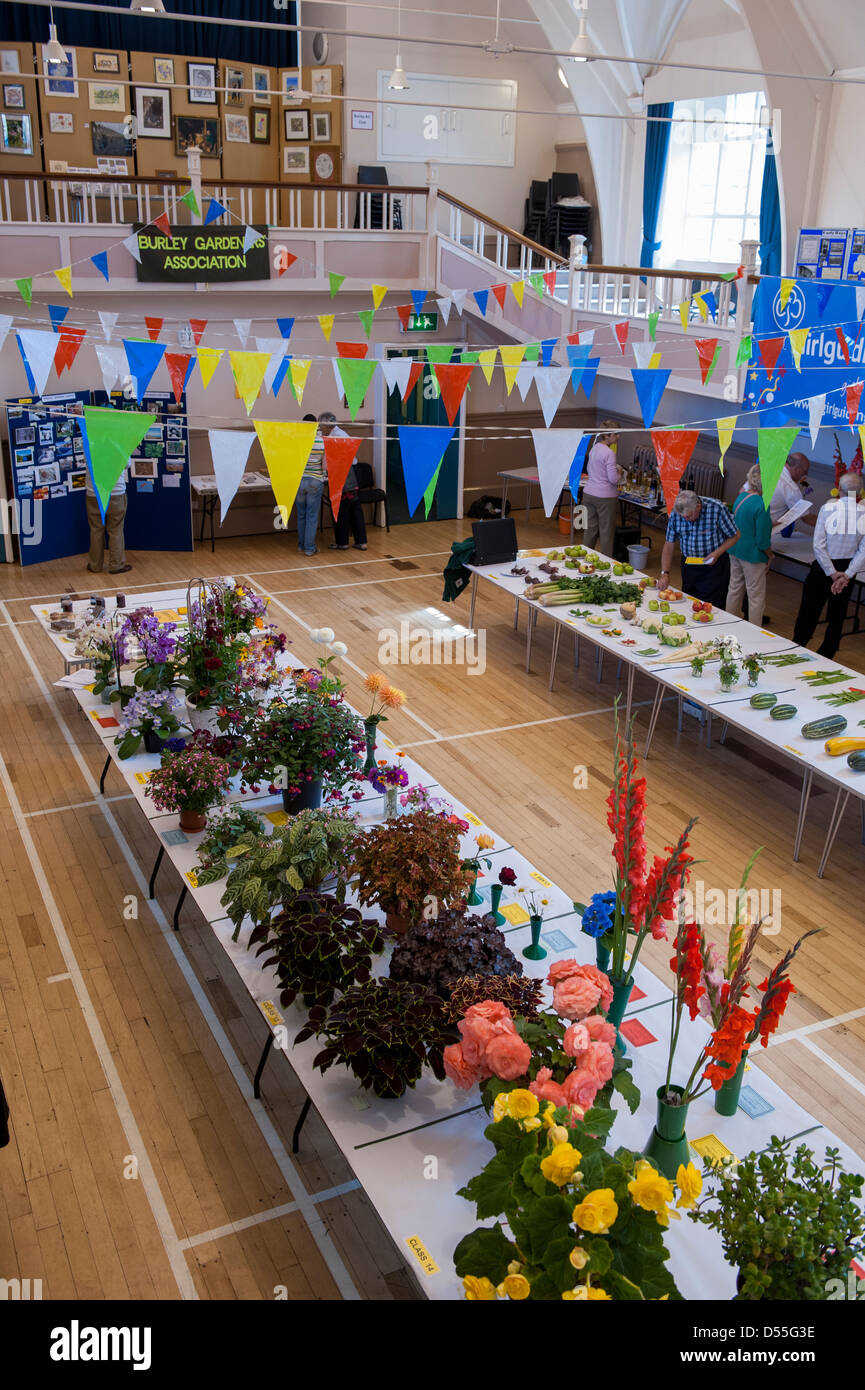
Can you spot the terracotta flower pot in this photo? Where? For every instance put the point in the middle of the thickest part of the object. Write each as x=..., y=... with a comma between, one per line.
x=192, y=820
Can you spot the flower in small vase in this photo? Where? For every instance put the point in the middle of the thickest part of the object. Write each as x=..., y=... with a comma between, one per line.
x=507, y=877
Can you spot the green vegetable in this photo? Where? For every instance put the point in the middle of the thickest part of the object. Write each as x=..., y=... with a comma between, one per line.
x=783, y=712
x=825, y=728
x=763, y=700
x=856, y=761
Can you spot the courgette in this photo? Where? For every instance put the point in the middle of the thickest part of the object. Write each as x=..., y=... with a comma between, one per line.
x=836, y=746
x=857, y=760
x=764, y=700
x=825, y=728
x=785, y=712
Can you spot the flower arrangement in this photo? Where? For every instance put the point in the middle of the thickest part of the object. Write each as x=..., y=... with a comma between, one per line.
x=189, y=779
x=210, y=670
x=329, y=682
x=697, y=664
x=384, y=696
x=95, y=640
x=319, y=946
x=753, y=664
x=224, y=830
x=302, y=737
x=533, y=902
x=731, y=657
x=146, y=713
x=574, y=1222
x=387, y=776
x=472, y=865
x=232, y=608
x=142, y=634
x=597, y=918
x=439, y=951
x=408, y=864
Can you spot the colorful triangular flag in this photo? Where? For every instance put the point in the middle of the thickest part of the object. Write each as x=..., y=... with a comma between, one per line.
x=481, y=298
x=459, y=299
x=191, y=201
x=285, y=326
x=241, y=328
x=366, y=317
x=355, y=374
x=853, y=393
x=325, y=323
x=487, y=362
x=621, y=331
x=109, y=437
x=550, y=280
x=452, y=379
x=154, y=327
x=112, y=365
x=351, y=350
x=100, y=260
x=548, y=347
x=512, y=355
x=422, y=448
x=131, y=244
x=198, y=326
x=650, y=386
x=784, y=291
x=644, y=352
x=64, y=275
x=214, y=209
x=248, y=369
x=286, y=445
x=298, y=372
x=143, y=357
x=673, y=449
x=418, y=299
x=339, y=455
x=798, y=337
x=816, y=408
x=551, y=383
x=554, y=452
x=499, y=292
x=725, y=427
x=378, y=293
x=844, y=345
x=25, y=288
x=229, y=450
x=769, y=350
x=164, y=225
x=180, y=367
x=706, y=349
x=285, y=261
x=518, y=290
x=276, y=349
x=395, y=372
x=37, y=347
x=773, y=446
x=685, y=312
x=70, y=340
x=250, y=237
x=335, y=282
x=57, y=313
x=444, y=308
x=744, y=350
x=208, y=361
x=525, y=376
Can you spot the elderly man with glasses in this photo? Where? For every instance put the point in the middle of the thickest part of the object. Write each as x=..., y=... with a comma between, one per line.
x=705, y=531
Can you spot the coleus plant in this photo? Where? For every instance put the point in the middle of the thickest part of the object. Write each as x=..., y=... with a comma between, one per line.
x=318, y=946
x=407, y=862
x=438, y=951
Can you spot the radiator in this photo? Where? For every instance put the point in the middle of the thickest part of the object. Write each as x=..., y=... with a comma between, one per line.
x=705, y=479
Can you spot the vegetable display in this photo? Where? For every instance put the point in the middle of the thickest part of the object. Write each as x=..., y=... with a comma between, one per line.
x=589, y=588
x=783, y=712
x=825, y=728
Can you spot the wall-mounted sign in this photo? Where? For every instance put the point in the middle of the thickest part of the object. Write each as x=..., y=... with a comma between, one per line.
x=362, y=120
x=422, y=323
x=821, y=253
x=202, y=253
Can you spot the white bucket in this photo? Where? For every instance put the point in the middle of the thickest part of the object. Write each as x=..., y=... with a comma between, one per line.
x=637, y=556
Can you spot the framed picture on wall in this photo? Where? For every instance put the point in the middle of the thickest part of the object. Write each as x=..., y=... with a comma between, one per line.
x=261, y=127
x=106, y=62
x=13, y=96
x=62, y=123
x=163, y=72
x=105, y=98
x=60, y=78
x=295, y=159
x=236, y=130
x=290, y=83
x=197, y=133
x=322, y=82
x=16, y=136
x=153, y=113
x=325, y=165
x=111, y=139
x=296, y=125
x=234, y=85
x=260, y=87
x=321, y=127
x=9, y=60
x=201, y=80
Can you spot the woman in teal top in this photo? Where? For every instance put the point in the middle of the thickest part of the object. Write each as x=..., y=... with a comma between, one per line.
x=750, y=556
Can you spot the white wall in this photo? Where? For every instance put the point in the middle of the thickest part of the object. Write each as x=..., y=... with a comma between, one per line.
x=840, y=201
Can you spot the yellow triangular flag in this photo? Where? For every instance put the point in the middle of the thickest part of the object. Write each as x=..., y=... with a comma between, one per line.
x=299, y=369
x=685, y=312
x=378, y=294
x=518, y=289
x=798, y=337
x=486, y=362
x=786, y=287
x=325, y=323
x=726, y=425
x=64, y=275
x=701, y=305
x=512, y=355
x=249, y=369
x=286, y=446
x=208, y=361
x=655, y=360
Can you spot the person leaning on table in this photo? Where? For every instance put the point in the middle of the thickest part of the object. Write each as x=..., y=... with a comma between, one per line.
x=115, y=515
x=601, y=491
x=839, y=558
x=705, y=529
x=749, y=557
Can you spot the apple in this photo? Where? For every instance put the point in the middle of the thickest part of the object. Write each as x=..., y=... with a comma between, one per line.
x=654, y=605
x=628, y=569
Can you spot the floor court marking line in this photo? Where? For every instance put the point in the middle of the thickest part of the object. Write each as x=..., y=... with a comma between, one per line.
x=262, y=1217
x=833, y=1065
x=284, y=1162
x=528, y=724
x=818, y=1027
x=76, y=806
x=359, y=583
x=55, y=979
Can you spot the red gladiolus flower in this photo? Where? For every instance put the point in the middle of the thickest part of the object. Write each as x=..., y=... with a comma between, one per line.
x=727, y=1045
x=687, y=964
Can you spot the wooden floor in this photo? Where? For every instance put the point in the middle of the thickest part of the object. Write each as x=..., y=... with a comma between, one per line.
x=140, y=1165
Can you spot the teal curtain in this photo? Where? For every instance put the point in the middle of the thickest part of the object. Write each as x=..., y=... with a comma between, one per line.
x=770, y=215
x=657, y=145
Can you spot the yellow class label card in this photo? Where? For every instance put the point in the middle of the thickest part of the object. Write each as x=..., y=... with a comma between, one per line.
x=540, y=878
x=192, y=877
x=276, y=817
x=422, y=1255
x=142, y=777
x=471, y=818
x=515, y=914
x=271, y=1012
x=712, y=1148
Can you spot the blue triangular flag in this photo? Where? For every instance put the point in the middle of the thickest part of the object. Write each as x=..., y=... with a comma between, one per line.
x=31, y=384
x=418, y=298
x=282, y=369
x=143, y=358
x=590, y=371
x=547, y=348
x=577, y=465
x=578, y=356
x=214, y=210
x=285, y=326
x=422, y=448
x=824, y=294
x=57, y=314
x=100, y=260
x=480, y=297
x=650, y=383
x=711, y=303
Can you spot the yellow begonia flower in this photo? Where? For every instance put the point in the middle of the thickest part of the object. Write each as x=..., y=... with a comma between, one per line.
x=478, y=1290
x=597, y=1211
x=516, y=1286
x=501, y=1106
x=595, y=1295
x=549, y=1115
x=559, y=1135
x=578, y=1257
x=522, y=1104
x=531, y=1123
x=514, y=1267
x=689, y=1181
x=650, y=1190
x=560, y=1164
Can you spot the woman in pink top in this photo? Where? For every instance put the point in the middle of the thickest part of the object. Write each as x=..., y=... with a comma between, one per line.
x=600, y=490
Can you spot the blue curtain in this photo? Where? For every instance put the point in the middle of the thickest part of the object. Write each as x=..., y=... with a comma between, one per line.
x=245, y=43
x=770, y=215
x=657, y=145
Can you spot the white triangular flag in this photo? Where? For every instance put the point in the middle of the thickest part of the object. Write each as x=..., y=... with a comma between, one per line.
x=242, y=327
x=525, y=377
x=112, y=364
x=108, y=319
x=334, y=362
x=396, y=372
x=444, y=308
x=458, y=298
x=816, y=407
x=38, y=348
x=644, y=352
x=131, y=244
x=277, y=348
x=554, y=452
x=229, y=450
x=551, y=384
x=250, y=237
x=860, y=301
x=5, y=325
x=587, y=338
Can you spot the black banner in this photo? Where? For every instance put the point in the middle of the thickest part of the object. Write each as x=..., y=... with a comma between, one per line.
x=202, y=253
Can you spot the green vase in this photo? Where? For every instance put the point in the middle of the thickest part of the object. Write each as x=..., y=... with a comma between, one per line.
x=536, y=950
x=668, y=1145
x=495, y=898
x=616, y=1011
x=727, y=1097
x=370, y=726
x=602, y=955
x=474, y=898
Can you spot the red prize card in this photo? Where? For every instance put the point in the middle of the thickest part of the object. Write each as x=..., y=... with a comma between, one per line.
x=636, y=1033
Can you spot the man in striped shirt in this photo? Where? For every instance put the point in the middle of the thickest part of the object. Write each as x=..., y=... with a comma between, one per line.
x=705, y=531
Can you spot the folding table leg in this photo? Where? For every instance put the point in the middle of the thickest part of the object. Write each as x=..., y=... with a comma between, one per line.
x=256, y=1083
x=530, y=632
x=803, y=811
x=472, y=597
x=212, y=532
x=557, y=632
x=155, y=870
x=680, y=715
x=104, y=772
x=516, y=613
x=723, y=738
x=834, y=827
x=301, y=1119
x=708, y=728
x=599, y=664
x=653, y=717
x=576, y=650
x=180, y=902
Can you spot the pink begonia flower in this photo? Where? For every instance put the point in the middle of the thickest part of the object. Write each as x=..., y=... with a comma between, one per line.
x=545, y=1088
x=591, y=972
x=599, y=1030
x=599, y=1062
x=561, y=970
x=490, y=1009
x=476, y=1033
x=580, y=1088
x=461, y=1072
x=576, y=1040
x=508, y=1056
x=575, y=997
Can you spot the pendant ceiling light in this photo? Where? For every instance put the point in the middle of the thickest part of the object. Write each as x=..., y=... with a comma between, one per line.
x=582, y=50
x=397, y=80
x=54, y=52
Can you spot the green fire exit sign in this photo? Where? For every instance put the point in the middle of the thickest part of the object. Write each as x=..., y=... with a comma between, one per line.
x=422, y=323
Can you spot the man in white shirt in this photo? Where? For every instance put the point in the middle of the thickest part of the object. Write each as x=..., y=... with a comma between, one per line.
x=839, y=550
x=789, y=491
x=115, y=514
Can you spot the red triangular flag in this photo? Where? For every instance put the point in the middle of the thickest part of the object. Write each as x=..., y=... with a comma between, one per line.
x=706, y=355
x=154, y=328
x=842, y=339
x=338, y=457
x=164, y=225
x=673, y=449
x=198, y=326
x=453, y=378
x=500, y=291
x=67, y=347
x=769, y=349
x=573, y=338
x=621, y=332
x=854, y=391
x=404, y=311
x=550, y=280
x=286, y=259
x=177, y=364
x=413, y=377
x=352, y=349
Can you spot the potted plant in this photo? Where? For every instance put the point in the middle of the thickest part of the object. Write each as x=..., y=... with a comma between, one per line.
x=302, y=744
x=409, y=864
x=439, y=951
x=148, y=717
x=209, y=671
x=318, y=946
x=224, y=830
x=189, y=780
x=384, y=696
x=521, y=995
x=385, y=1032
x=153, y=644
x=268, y=870
x=697, y=664
x=94, y=640
x=233, y=609
x=790, y=1225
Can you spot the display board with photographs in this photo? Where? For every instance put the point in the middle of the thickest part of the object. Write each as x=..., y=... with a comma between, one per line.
x=46, y=455
x=159, y=503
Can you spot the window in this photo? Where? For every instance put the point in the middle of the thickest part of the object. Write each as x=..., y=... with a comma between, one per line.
x=711, y=197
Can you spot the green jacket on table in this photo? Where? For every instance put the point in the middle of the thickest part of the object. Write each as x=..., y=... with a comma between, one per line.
x=755, y=527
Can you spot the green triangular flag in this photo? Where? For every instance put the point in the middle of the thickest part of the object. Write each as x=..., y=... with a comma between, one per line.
x=773, y=446
x=25, y=288
x=191, y=202
x=536, y=280
x=653, y=323
x=469, y=357
x=437, y=353
x=366, y=317
x=745, y=350
x=355, y=374
x=713, y=365
x=335, y=282
x=430, y=492
x=533, y=352
x=110, y=436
